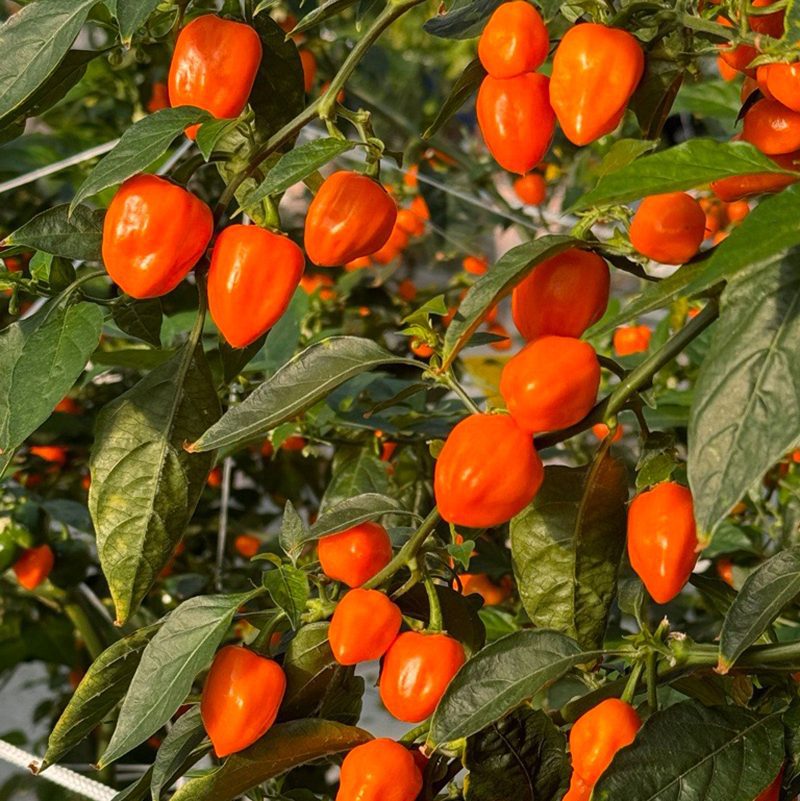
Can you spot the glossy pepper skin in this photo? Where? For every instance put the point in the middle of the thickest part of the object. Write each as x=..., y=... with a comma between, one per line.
x=252, y=278
x=350, y=216
x=737, y=187
x=513, y=41
x=154, y=233
x=355, y=555
x=416, y=671
x=578, y=789
x=487, y=472
x=563, y=295
x=595, y=71
x=772, y=128
x=241, y=697
x=364, y=624
x=530, y=189
x=597, y=736
x=380, y=770
x=214, y=66
x=34, y=566
x=551, y=383
x=516, y=120
x=668, y=228
x=662, y=539
x=783, y=83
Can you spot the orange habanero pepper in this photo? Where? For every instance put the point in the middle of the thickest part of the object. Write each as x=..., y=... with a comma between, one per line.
x=531, y=188
x=214, y=66
x=772, y=128
x=416, y=671
x=153, y=234
x=364, y=624
x=595, y=71
x=662, y=539
x=578, y=789
x=487, y=471
x=630, y=339
x=350, y=216
x=737, y=187
x=309, y=63
x=772, y=792
x=668, y=228
x=563, y=295
x=516, y=120
x=253, y=276
x=241, y=697
x=783, y=83
x=355, y=555
x=380, y=770
x=34, y=566
x=551, y=383
x=514, y=40
x=247, y=545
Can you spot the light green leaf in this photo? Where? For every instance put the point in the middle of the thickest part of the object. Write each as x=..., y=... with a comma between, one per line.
x=211, y=132
x=131, y=15
x=181, y=741
x=354, y=511
x=288, y=587
x=54, y=231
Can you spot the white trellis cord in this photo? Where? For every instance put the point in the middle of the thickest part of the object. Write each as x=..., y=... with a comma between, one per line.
x=64, y=777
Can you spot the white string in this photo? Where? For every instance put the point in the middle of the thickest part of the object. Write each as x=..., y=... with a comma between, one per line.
x=63, y=777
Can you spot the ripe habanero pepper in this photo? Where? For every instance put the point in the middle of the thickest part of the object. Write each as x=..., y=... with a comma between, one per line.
x=595, y=71
x=355, y=555
x=364, y=624
x=487, y=472
x=253, y=276
x=530, y=188
x=598, y=734
x=662, y=539
x=738, y=187
x=668, y=228
x=563, y=295
x=514, y=40
x=214, y=66
x=772, y=792
x=416, y=671
x=34, y=566
x=241, y=697
x=772, y=128
x=630, y=339
x=380, y=770
x=516, y=120
x=247, y=545
x=153, y=234
x=551, y=383
x=783, y=83
x=350, y=216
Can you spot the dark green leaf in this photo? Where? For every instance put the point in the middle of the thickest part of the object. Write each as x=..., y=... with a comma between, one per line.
x=140, y=145
x=463, y=20
x=100, y=690
x=294, y=532
x=652, y=101
x=567, y=547
x=145, y=486
x=136, y=791
x=719, y=99
x=465, y=86
x=131, y=15
x=353, y=511
x=768, y=589
x=324, y=11
x=211, y=132
x=356, y=471
x=296, y=386
x=684, y=166
x=499, y=678
x=746, y=410
x=522, y=756
x=54, y=231
x=183, y=646
x=496, y=283
x=295, y=165
x=283, y=747
x=34, y=41
x=714, y=754
x=139, y=318
x=41, y=357
x=289, y=590
x=185, y=735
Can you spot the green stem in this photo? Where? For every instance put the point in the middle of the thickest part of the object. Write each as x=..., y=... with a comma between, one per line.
x=435, y=613
x=261, y=644
x=83, y=626
x=416, y=733
x=629, y=692
x=407, y=552
x=652, y=681
x=451, y=381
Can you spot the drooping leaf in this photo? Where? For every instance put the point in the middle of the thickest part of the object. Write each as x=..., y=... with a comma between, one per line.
x=567, y=547
x=211, y=133
x=54, y=231
x=100, y=690
x=465, y=86
x=288, y=587
x=131, y=15
x=652, y=101
x=746, y=410
x=145, y=486
x=295, y=165
x=684, y=166
x=356, y=471
x=294, y=532
x=139, y=318
x=183, y=646
x=326, y=10
x=499, y=678
x=354, y=511
x=522, y=756
x=182, y=739
x=715, y=754
x=463, y=20
x=283, y=747
x=34, y=41
x=496, y=283
x=140, y=145
x=41, y=357
x=296, y=386
x=768, y=589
